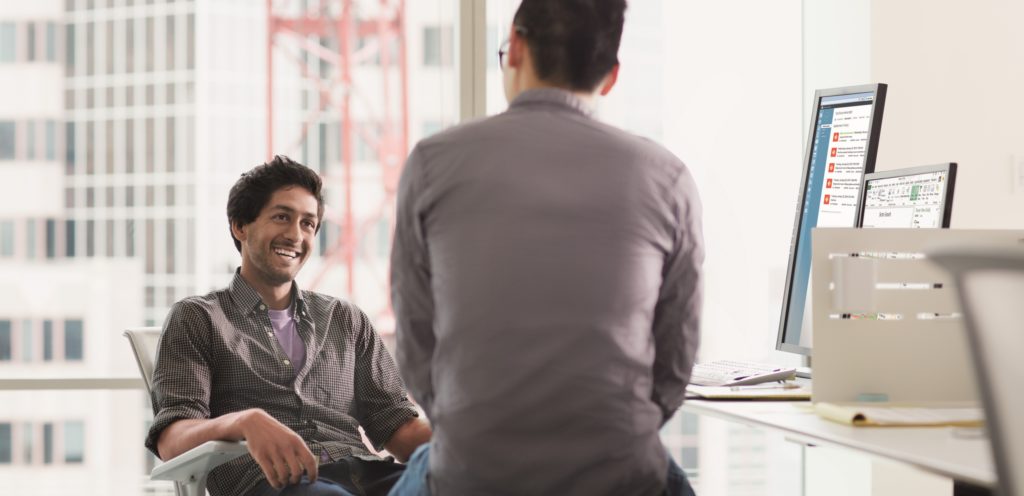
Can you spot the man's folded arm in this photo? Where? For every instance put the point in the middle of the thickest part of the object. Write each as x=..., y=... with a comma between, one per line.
x=677, y=315
x=410, y=288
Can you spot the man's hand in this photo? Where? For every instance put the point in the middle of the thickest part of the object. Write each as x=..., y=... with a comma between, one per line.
x=279, y=451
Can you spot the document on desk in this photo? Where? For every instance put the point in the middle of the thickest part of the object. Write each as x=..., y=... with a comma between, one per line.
x=770, y=391
x=880, y=415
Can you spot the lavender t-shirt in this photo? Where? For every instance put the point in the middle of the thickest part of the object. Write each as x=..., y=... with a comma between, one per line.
x=288, y=336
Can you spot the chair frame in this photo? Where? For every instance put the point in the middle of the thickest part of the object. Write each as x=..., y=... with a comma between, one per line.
x=189, y=470
x=960, y=262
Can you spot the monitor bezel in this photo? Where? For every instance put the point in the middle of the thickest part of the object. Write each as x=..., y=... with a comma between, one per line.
x=877, y=109
x=947, y=201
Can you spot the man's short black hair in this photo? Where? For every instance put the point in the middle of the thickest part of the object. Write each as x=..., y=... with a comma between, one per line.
x=574, y=43
x=253, y=190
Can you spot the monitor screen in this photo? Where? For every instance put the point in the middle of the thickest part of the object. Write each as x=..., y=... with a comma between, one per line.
x=841, y=148
x=914, y=197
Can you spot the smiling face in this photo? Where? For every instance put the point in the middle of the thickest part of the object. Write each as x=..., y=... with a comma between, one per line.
x=278, y=242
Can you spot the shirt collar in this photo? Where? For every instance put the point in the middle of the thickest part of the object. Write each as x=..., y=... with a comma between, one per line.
x=554, y=97
x=248, y=300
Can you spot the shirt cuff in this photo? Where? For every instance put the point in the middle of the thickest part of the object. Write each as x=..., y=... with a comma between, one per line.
x=384, y=423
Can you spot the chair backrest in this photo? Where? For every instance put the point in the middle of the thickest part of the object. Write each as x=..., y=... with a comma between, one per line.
x=143, y=341
x=991, y=287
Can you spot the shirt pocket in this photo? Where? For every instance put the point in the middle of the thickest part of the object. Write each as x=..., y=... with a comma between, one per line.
x=331, y=376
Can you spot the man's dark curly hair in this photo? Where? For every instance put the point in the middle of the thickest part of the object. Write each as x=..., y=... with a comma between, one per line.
x=253, y=190
x=573, y=43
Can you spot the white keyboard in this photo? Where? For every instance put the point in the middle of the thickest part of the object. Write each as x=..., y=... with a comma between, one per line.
x=734, y=373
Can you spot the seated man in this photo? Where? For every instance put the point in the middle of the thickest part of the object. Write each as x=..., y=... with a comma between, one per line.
x=294, y=373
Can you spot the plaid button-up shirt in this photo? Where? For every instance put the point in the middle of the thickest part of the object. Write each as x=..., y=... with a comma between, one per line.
x=218, y=354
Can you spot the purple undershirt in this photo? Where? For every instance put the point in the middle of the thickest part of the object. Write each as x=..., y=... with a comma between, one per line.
x=288, y=336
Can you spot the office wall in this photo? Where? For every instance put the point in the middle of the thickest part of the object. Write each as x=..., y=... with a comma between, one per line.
x=732, y=112
x=955, y=72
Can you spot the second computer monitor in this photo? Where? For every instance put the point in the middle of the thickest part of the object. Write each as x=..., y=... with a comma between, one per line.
x=912, y=197
x=841, y=148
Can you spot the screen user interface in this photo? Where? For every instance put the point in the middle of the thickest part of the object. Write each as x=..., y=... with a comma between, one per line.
x=835, y=171
x=907, y=201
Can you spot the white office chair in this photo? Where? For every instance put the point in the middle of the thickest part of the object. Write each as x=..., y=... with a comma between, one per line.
x=990, y=283
x=188, y=471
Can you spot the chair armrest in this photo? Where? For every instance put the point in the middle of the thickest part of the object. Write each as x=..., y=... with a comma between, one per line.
x=195, y=463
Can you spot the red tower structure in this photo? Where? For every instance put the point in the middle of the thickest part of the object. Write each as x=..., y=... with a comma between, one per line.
x=350, y=33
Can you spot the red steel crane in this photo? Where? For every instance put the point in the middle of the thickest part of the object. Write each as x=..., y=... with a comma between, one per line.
x=353, y=36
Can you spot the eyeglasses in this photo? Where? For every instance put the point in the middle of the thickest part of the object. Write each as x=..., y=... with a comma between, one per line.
x=503, y=49
x=501, y=54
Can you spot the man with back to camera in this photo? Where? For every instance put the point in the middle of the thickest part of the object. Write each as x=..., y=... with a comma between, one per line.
x=294, y=373
x=546, y=279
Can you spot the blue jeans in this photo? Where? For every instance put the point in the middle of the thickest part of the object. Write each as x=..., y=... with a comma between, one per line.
x=414, y=481
x=346, y=477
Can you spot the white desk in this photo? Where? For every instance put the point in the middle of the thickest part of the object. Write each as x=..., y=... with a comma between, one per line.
x=934, y=449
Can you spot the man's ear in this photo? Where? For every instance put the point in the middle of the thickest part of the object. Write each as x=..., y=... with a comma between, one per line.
x=238, y=231
x=609, y=80
x=516, y=48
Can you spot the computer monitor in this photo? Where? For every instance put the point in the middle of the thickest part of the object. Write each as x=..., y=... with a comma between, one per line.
x=841, y=148
x=911, y=197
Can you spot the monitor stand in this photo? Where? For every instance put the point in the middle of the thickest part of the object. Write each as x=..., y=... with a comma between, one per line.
x=804, y=371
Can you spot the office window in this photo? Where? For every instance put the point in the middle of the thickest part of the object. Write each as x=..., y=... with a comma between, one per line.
x=73, y=340
x=690, y=423
x=51, y=238
x=111, y=242
x=129, y=238
x=69, y=48
x=5, y=443
x=47, y=340
x=169, y=143
x=30, y=39
x=169, y=234
x=47, y=443
x=51, y=42
x=27, y=338
x=190, y=40
x=90, y=234
x=69, y=238
x=27, y=439
x=437, y=46
x=129, y=142
x=109, y=45
x=90, y=45
x=74, y=441
x=431, y=127
x=30, y=239
x=7, y=37
x=170, y=43
x=7, y=238
x=150, y=263
x=89, y=143
x=5, y=340
x=30, y=140
x=50, y=140
x=69, y=148
x=7, y=140
x=149, y=50
x=688, y=458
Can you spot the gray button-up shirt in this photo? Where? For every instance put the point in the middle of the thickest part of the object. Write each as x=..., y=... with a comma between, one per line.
x=547, y=287
x=218, y=354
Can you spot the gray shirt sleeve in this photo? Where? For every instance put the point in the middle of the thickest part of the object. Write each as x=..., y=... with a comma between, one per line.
x=676, y=325
x=410, y=287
